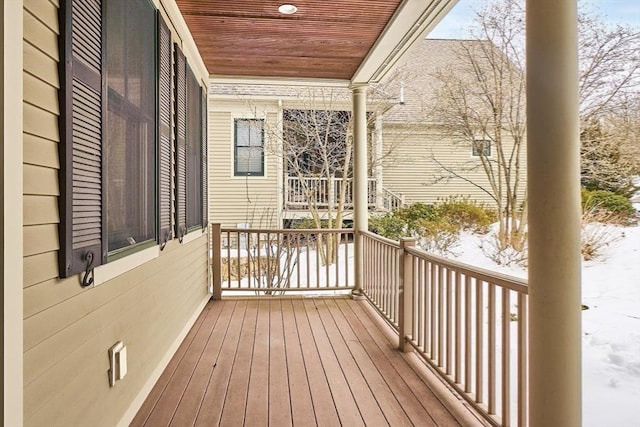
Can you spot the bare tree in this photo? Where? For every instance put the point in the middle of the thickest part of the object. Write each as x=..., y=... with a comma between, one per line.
x=482, y=98
x=609, y=104
x=481, y=103
x=315, y=142
x=317, y=147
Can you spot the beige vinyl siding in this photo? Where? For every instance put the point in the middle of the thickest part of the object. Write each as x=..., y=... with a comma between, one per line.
x=68, y=329
x=409, y=168
x=239, y=199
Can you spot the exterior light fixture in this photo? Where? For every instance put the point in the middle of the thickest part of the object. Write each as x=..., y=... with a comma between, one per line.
x=287, y=9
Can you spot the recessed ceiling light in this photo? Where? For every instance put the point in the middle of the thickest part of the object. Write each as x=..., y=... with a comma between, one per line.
x=287, y=9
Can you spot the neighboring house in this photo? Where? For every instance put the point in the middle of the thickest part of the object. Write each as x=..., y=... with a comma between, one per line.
x=425, y=161
x=411, y=158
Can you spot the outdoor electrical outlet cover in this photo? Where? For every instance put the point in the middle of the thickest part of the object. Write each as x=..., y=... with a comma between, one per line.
x=115, y=362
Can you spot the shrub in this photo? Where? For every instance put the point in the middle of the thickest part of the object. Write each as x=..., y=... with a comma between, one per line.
x=415, y=213
x=310, y=224
x=506, y=256
x=389, y=226
x=466, y=214
x=439, y=236
x=595, y=239
x=606, y=206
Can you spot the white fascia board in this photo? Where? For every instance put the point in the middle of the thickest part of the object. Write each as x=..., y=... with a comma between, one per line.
x=276, y=81
x=412, y=20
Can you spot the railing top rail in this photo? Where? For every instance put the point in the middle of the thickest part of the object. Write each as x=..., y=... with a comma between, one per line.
x=392, y=193
x=505, y=280
x=381, y=239
x=287, y=230
x=336, y=178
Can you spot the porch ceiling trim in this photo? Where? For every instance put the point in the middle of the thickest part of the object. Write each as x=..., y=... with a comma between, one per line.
x=412, y=20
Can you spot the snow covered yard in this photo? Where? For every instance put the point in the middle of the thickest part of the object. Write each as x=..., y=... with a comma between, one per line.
x=610, y=328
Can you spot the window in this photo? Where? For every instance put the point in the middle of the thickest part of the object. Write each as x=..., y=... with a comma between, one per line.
x=249, y=147
x=194, y=153
x=130, y=126
x=116, y=134
x=481, y=147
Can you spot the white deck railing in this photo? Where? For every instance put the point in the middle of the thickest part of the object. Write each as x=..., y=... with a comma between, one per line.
x=469, y=324
x=273, y=262
x=322, y=192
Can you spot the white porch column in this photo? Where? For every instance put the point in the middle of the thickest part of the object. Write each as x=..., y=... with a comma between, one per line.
x=360, y=202
x=553, y=151
x=11, y=30
x=378, y=162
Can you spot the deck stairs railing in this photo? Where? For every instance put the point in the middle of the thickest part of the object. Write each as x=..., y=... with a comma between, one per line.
x=467, y=323
x=324, y=192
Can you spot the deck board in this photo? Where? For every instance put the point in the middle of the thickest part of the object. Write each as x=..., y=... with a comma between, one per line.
x=300, y=362
x=302, y=412
x=342, y=397
x=381, y=392
x=437, y=411
x=367, y=405
x=236, y=398
x=325, y=411
x=212, y=404
x=257, y=409
x=279, y=392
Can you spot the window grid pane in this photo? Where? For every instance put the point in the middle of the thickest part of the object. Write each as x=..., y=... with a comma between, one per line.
x=249, y=147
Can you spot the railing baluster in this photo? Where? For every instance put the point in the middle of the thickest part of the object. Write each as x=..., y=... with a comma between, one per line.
x=318, y=258
x=389, y=259
x=458, y=333
x=433, y=315
x=467, y=334
x=479, y=341
x=506, y=359
x=250, y=256
x=298, y=260
x=522, y=360
x=346, y=260
x=450, y=331
x=491, y=348
x=308, y=265
x=269, y=267
x=421, y=305
x=441, y=275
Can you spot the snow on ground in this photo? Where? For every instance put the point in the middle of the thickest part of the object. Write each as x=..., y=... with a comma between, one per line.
x=610, y=327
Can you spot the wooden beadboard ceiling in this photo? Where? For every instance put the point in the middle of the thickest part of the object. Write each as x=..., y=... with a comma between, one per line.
x=325, y=39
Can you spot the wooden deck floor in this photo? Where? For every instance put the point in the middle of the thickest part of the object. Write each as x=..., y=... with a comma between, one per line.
x=299, y=362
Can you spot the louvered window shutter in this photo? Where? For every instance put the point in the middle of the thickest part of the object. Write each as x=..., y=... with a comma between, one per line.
x=180, y=141
x=164, y=120
x=205, y=178
x=81, y=234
